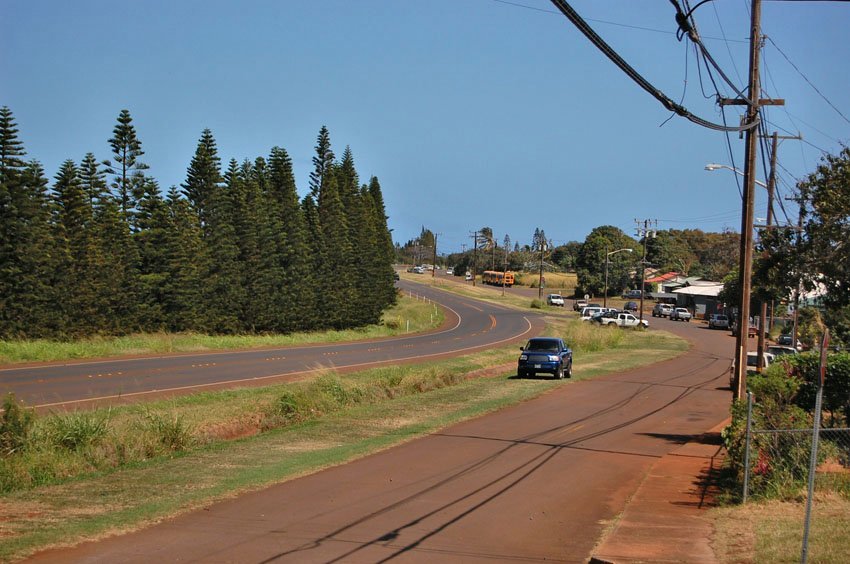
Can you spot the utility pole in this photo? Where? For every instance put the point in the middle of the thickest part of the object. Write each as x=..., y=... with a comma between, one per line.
x=745, y=259
x=646, y=233
x=474, y=253
x=540, y=279
x=505, y=267
x=771, y=185
x=801, y=201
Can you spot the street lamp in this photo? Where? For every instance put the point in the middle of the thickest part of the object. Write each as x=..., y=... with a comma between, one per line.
x=715, y=166
x=607, y=256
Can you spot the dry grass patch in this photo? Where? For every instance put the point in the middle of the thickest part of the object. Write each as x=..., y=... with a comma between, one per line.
x=772, y=531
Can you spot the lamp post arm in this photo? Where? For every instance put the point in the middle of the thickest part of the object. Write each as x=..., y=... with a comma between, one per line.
x=715, y=166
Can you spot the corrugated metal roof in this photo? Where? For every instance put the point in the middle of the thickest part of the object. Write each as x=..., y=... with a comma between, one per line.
x=701, y=290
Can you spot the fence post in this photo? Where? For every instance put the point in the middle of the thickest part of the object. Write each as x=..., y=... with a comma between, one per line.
x=747, y=445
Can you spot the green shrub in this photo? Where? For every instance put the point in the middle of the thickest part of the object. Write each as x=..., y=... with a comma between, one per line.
x=74, y=431
x=779, y=461
x=836, y=388
x=332, y=389
x=15, y=426
x=536, y=304
x=171, y=431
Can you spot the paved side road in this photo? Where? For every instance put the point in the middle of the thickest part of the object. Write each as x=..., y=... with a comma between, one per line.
x=538, y=481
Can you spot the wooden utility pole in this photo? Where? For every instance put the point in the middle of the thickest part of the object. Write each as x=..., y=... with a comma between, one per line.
x=474, y=254
x=745, y=269
x=505, y=267
x=540, y=280
x=771, y=186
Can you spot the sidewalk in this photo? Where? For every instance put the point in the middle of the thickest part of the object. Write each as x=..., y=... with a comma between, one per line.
x=664, y=521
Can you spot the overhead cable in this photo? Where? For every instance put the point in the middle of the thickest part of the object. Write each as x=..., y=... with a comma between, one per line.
x=609, y=52
x=825, y=99
x=688, y=27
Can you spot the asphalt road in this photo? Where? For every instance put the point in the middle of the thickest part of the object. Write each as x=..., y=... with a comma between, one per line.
x=538, y=481
x=468, y=327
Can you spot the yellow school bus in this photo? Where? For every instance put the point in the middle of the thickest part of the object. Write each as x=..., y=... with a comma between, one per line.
x=495, y=278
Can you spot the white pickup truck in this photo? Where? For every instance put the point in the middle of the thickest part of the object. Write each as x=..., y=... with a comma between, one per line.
x=680, y=314
x=620, y=319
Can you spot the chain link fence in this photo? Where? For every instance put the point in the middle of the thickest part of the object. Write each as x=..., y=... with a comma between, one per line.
x=785, y=460
x=779, y=459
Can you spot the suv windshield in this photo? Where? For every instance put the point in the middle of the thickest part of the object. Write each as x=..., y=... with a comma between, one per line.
x=547, y=345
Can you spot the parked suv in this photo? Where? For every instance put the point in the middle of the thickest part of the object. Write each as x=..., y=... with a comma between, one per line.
x=631, y=295
x=718, y=321
x=631, y=306
x=680, y=314
x=555, y=300
x=662, y=310
x=545, y=354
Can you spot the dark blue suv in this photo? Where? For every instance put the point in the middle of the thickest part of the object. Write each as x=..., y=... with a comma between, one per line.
x=545, y=354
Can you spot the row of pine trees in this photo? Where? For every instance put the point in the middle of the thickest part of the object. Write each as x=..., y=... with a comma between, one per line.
x=101, y=250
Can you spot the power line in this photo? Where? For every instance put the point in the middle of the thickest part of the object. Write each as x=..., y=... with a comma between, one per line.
x=607, y=22
x=609, y=52
x=831, y=105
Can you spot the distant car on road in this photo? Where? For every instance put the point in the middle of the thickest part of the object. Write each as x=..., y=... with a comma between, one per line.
x=752, y=330
x=549, y=355
x=718, y=321
x=662, y=310
x=555, y=300
x=631, y=306
x=588, y=312
x=468, y=276
x=680, y=314
x=752, y=365
x=788, y=341
x=579, y=305
x=631, y=295
x=450, y=271
x=619, y=319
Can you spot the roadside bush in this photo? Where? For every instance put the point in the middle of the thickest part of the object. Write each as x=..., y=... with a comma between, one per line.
x=15, y=426
x=779, y=462
x=836, y=388
x=170, y=431
x=536, y=304
x=73, y=431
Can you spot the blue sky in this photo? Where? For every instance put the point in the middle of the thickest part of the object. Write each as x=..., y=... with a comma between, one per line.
x=471, y=113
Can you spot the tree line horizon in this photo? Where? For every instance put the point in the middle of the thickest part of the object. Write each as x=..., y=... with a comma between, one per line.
x=102, y=251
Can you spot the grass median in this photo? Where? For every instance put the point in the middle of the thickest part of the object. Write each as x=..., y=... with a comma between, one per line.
x=167, y=457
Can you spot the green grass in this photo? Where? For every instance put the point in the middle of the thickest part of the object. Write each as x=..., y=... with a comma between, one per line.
x=239, y=440
x=408, y=315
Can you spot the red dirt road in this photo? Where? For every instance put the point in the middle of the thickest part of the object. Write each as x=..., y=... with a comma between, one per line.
x=535, y=482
